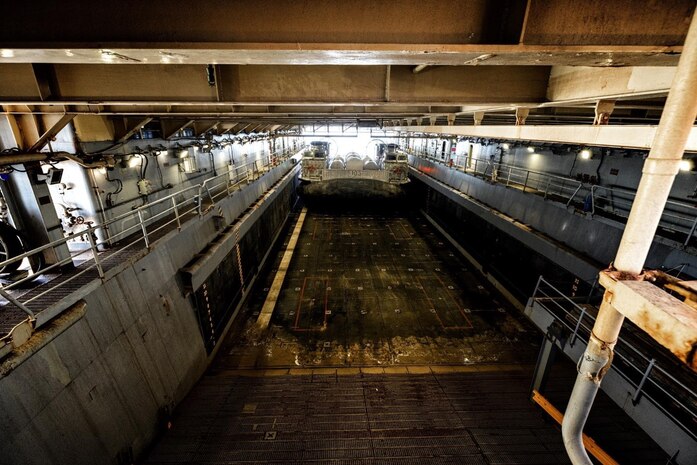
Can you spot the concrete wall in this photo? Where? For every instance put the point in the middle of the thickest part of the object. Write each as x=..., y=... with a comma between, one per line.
x=92, y=386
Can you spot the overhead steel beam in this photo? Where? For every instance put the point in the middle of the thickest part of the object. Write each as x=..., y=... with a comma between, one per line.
x=450, y=32
x=56, y=123
x=45, y=81
x=124, y=128
x=632, y=137
x=365, y=54
x=568, y=83
x=202, y=127
x=170, y=127
x=277, y=85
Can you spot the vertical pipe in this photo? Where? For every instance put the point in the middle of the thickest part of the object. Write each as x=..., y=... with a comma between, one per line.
x=657, y=179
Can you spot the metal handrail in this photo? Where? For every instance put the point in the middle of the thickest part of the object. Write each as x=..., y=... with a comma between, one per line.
x=191, y=195
x=546, y=293
x=678, y=215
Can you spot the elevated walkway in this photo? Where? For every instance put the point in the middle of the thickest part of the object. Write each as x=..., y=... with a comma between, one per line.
x=34, y=300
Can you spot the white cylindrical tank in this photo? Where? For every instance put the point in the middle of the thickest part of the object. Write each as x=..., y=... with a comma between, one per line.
x=337, y=163
x=369, y=164
x=354, y=161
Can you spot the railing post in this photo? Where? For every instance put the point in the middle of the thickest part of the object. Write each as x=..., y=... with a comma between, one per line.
x=592, y=200
x=549, y=180
x=508, y=181
x=199, y=200
x=692, y=231
x=95, y=253
x=145, y=231
x=574, y=194
x=525, y=184
x=637, y=393
x=578, y=325
x=176, y=213
x=537, y=286
x=19, y=304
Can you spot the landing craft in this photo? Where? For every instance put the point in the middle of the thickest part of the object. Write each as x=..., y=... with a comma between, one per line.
x=381, y=174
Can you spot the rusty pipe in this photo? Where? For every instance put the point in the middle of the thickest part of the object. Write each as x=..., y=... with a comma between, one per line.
x=72, y=157
x=657, y=178
x=18, y=158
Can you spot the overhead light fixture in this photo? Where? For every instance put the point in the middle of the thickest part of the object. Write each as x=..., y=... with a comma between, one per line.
x=686, y=165
x=586, y=154
x=531, y=149
x=188, y=165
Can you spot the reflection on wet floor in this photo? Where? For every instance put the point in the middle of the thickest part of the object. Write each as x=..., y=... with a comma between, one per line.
x=378, y=289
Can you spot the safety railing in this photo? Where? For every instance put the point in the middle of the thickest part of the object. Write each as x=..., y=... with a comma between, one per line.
x=145, y=223
x=224, y=184
x=612, y=202
x=648, y=379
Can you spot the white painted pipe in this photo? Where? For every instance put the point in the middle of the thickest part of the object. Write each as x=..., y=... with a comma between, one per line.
x=659, y=172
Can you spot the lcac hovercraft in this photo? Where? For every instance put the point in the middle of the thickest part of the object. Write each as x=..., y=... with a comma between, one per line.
x=383, y=173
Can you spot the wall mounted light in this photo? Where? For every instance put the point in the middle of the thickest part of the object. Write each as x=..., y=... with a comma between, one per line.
x=505, y=146
x=586, y=154
x=531, y=149
x=188, y=165
x=686, y=165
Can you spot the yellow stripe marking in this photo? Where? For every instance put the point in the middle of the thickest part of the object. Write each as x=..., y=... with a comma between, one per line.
x=275, y=290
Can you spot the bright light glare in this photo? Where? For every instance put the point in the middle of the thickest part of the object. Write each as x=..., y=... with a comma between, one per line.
x=7, y=53
x=107, y=55
x=531, y=149
x=685, y=165
x=585, y=154
x=506, y=146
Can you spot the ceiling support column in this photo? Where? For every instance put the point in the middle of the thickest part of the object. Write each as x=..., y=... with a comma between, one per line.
x=603, y=110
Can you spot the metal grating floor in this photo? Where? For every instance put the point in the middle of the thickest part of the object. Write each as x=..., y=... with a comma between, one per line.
x=472, y=418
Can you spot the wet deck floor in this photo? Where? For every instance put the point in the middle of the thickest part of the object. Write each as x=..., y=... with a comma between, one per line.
x=365, y=290
x=385, y=347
